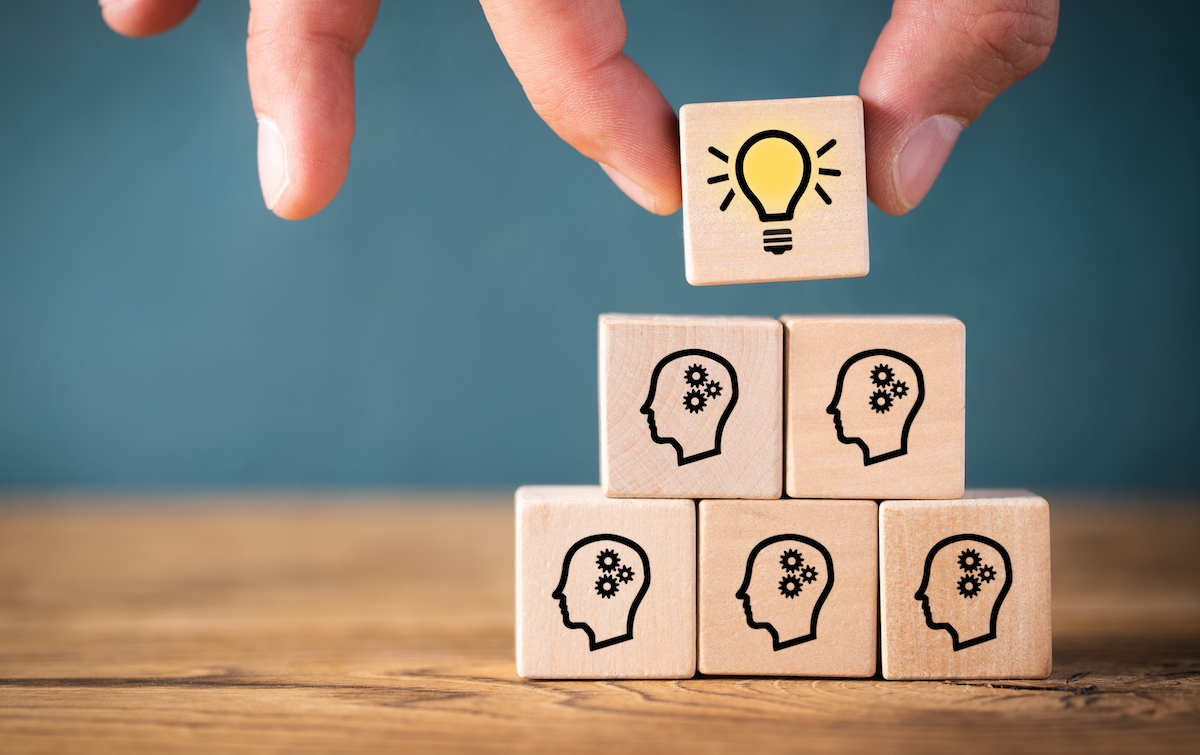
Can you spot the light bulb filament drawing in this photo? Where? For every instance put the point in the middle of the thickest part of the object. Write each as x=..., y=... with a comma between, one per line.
x=773, y=169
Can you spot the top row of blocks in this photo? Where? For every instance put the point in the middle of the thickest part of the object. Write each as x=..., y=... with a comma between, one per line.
x=774, y=190
x=872, y=407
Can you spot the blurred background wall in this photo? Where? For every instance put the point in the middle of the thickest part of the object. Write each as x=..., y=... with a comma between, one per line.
x=436, y=325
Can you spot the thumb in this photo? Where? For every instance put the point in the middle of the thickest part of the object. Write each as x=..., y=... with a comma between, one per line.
x=936, y=66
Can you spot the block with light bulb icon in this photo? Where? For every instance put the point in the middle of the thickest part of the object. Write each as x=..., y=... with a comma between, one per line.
x=876, y=406
x=965, y=587
x=774, y=190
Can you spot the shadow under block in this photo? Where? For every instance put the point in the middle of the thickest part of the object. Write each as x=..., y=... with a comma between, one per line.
x=605, y=589
x=774, y=190
x=691, y=407
x=966, y=587
x=875, y=406
x=788, y=588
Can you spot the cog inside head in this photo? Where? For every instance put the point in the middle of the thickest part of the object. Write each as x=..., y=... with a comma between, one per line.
x=791, y=560
x=713, y=389
x=696, y=375
x=881, y=401
x=968, y=586
x=625, y=574
x=695, y=402
x=607, y=560
x=986, y=573
x=899, y=389
x=968, y=560
x=809, y=574
x=790, y=586
x=606, y=586
x=882, y=375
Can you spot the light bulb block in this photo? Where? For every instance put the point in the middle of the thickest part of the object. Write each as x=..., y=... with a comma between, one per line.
x=606, y=589
x=876, y=406
x=788, y=588
x=965, y=587
x=691, y=407
x=774, y=190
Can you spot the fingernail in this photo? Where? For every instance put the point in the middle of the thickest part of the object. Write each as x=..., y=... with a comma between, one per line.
x=110, y=2
x=632, y=190
x=918, y=164
x=272, y=161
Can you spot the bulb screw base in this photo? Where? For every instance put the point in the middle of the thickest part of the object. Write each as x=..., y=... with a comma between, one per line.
x=777, y=240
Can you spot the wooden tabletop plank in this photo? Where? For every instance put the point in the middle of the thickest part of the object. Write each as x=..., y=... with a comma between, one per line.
x=279, y=623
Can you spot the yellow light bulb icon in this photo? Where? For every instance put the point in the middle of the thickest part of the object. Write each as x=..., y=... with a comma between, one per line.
x=773, y=169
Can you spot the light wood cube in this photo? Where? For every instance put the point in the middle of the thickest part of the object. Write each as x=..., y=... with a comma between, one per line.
x=875, y=406
x=605, y=589
x=965, y=587
x=774, y=190
x=788, y=588
x=691, y=407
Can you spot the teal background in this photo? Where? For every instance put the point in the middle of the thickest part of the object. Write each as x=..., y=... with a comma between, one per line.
x=436, y=325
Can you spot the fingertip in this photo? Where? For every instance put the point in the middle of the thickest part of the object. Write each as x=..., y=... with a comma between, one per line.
x=145, y=18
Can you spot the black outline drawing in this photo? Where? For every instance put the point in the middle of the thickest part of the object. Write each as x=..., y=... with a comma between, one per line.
x=743, y=596
x=921, y=596
x=649, y=412
x=912, y=412
x=562, y=598
x=775, y=240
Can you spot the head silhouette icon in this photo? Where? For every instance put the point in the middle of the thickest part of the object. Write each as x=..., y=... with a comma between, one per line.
x=877, y=397
x=966, y=579
x=604, y=578
x=692, y=393
x=788, y=578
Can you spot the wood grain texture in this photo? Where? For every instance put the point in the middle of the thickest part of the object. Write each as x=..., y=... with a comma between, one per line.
x=965, y=587
x=728, y=443
x=726, y=239
x=606, y=589
x=808, y=572
x=852, y=433
x=384, y=624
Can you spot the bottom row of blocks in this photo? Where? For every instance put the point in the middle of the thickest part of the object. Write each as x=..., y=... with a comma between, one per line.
x=609, y=589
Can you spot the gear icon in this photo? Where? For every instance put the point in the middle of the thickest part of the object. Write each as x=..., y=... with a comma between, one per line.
x=713, y=389
x=986, y=573
x=809, y=574
x=790, y=586
x=607, y=560
x=791, y=560
x=899, y=389
x=625, y=574
x=882, y=375
x=968, y=586
x=696, y=376
x=968, y=560
x=606, y=586
x=881, y=401
x=695, y=402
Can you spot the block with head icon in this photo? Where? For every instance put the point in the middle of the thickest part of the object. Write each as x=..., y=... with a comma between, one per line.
x=606, y=589
x=788, y=588
x=965, y=587
x=875, y=406
x=774, y=190
x=691, y=406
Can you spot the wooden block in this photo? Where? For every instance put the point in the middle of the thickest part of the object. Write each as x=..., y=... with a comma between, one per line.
x=875, y=406
x=788, y=588
x=605, y=589
x=774, y=190
x=691, y=407
x=966, y=587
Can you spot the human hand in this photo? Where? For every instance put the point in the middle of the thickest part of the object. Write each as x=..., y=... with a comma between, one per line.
x=936, y=66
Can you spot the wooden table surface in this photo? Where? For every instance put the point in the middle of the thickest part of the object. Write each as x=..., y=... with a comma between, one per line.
x=386, y=623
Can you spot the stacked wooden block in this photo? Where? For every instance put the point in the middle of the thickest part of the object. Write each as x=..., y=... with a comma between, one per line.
x=689, y=556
